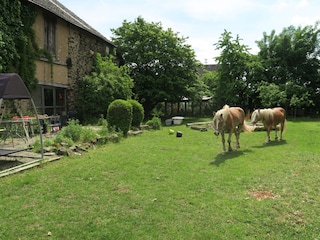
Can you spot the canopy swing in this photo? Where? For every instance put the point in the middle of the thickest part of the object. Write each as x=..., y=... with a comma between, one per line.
x=13, y=88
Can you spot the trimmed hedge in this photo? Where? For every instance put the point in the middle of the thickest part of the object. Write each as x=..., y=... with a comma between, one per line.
x=119, y=115
x=138, y=113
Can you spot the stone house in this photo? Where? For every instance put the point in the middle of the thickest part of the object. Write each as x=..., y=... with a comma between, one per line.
x=72, y=45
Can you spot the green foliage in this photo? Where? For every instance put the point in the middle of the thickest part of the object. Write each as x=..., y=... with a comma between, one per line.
x=10, y=22
x=161, y=63
x=303, y=100
x=155, y=123
x=285, y=70
x=119, y=115
x=234, y=75
x=198, y=90
x=61, y=138
x=88, y=135
x=102, y=122
x=271, y=95
x=17, y=40
x=108, y=131
x=158, y=110
x=106, y=83
x=137, y=113
x=74, y=133
x=46, y=143
x=291, y=59
x=210, y=79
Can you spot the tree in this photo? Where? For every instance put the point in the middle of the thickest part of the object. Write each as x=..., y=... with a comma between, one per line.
x=271, y=95
x=238, y=72
x=300, y=98
x=209, y=78
x=207, y=85
x=162, y=65
x=291, y=61
x=106, y=83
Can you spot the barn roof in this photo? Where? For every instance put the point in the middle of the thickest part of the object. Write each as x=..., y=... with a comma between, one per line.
x=61, y=11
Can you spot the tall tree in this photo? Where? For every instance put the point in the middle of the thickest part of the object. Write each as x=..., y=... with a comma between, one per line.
x=238, y=72
x=161, y=63
x=291, y=61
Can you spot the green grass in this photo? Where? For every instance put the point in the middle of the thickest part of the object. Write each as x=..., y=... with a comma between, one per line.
x=157, y=186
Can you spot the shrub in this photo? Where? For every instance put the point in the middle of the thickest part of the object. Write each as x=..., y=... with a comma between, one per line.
x=104, y=130
x=106, y=82
x=60, y=138
x=88, y=135
x=119, y=115
x=102, y=122
x=46, y=143
x=155, y=123
x=137, y=113
x=72, y=131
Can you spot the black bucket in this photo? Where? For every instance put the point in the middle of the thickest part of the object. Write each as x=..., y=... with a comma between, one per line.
x=179, y=134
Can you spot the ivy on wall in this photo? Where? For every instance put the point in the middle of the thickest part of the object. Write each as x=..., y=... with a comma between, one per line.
x=18, y=48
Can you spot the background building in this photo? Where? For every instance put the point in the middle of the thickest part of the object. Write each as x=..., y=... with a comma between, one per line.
x=68, y=46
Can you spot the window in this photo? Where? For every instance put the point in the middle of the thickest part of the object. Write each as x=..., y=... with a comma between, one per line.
x=54, y=100
x=48, y=101
x=60, y=100
x=50, y=34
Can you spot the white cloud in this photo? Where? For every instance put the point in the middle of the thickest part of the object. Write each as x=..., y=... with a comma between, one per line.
x=303, y=3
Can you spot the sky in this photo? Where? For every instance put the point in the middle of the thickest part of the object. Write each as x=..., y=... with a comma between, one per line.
x=201, y=21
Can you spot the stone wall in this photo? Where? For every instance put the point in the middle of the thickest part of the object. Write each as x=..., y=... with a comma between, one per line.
x=82, y=49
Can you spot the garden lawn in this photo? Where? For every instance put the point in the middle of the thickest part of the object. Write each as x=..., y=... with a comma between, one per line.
x=157, y=186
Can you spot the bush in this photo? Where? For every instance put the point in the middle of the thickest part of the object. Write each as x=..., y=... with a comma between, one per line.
x=104, y=130
x=46, y=143
x=155, y=123
x=60, y=138
x=119, y=116
x=137, y=113
x=88, y=135
x=106, y=82
x=74, y=133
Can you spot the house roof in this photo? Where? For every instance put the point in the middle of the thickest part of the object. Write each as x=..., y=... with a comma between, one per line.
x=61, y=11
x=211, y=67
x=208, y=67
